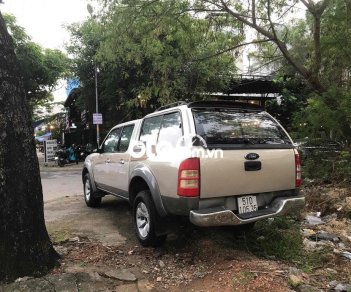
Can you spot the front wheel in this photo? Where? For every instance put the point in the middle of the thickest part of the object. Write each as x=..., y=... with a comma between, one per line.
x=89, y=195
x=145, y=219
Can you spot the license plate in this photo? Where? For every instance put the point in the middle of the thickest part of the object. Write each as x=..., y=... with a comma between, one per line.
x=247, y=204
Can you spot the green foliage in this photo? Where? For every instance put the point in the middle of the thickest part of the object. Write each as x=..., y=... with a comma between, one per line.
x=41, y=68
x=149, y=53
x=18, y=33
x=83, y=46
x=290, y=103
x=335, y=43
x=155, y=52
x=326, y=115
x=168, y=49
x=328, y=168
x=294, y=47
x=280, y=239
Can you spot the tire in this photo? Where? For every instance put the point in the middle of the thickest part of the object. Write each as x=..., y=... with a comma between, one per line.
x=89, y=195
x=145, y=219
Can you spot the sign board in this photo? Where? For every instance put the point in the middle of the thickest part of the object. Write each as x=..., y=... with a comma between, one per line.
x=83, y=116
x=97, y=119
x=50, y=147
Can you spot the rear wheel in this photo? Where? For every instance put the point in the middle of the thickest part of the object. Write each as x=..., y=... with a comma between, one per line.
x=89, y=195
x=145, y=219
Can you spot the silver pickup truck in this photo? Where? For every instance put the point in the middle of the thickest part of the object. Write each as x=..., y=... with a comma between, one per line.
x=217, y=163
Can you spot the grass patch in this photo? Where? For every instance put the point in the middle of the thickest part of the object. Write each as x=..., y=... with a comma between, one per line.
x=280, y=240
x=59, y=236
x=328, y=167
x=243, y=278
x=312, y=260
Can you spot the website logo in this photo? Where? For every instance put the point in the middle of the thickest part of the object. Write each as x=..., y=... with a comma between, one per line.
x=185, y=146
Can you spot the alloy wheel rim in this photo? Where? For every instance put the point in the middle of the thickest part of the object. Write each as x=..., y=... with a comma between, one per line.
x=87, y=190
x=142, y=217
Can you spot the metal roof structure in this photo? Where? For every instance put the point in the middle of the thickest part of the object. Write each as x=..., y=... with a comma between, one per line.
x=253, y=84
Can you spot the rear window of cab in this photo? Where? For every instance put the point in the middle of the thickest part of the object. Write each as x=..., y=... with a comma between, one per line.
x=223, y=127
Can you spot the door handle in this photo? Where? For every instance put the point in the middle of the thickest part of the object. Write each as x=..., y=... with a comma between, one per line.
x=108, y=161
x=253, y=165
x=121, y=161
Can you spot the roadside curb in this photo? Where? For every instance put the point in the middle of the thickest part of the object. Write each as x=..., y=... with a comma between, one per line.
x=57, y=169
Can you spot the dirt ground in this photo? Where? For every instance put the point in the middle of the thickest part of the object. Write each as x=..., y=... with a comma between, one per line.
x=100, y=253
x=102, y=239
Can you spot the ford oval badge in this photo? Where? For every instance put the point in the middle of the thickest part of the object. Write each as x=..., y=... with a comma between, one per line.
x=252, y=156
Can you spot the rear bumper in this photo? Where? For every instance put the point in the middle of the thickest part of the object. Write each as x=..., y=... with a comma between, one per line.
x=219, y=216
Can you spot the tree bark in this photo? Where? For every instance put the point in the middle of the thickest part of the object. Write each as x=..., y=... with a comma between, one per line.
x=25, y=247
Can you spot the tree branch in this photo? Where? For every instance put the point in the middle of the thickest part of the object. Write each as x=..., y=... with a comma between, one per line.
x=231, y=49
x=236, y=15
x=317, y=45
x=308, y=4
x=317, y=11
x=287, y=10
x=254, y=12
x=282, y=47
x=267, y=63
x=312, y=79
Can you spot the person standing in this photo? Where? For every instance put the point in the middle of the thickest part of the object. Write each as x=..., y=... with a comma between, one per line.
x=72, y=154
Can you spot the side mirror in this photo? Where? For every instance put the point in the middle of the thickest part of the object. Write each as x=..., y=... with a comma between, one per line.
x=196, y=141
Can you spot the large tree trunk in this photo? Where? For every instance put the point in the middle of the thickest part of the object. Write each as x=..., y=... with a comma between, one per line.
x=25, y=247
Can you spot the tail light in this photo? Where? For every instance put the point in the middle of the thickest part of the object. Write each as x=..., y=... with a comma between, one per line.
x=189, y=178
x=298, y=177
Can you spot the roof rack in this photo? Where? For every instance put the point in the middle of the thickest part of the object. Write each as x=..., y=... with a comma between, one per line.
x=178, y=103
x=222, y=103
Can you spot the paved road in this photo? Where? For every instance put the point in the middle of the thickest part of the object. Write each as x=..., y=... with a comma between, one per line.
x=61, y=183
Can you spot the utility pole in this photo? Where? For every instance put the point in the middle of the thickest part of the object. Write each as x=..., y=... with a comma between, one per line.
x=97, y=107
x=91, y=11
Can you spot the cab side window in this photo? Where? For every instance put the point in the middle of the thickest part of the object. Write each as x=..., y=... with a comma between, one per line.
x=125, y=138
x=111, y=141
x=150, y=129
x=171, y=129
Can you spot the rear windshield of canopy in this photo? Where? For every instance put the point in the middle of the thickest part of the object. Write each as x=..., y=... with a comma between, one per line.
x=230, y=126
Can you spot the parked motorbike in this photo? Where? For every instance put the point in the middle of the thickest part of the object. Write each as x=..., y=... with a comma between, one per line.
x=62, y=157
x=82, y=153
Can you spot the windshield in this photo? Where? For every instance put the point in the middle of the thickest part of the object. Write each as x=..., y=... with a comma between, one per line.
x=230, y=126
